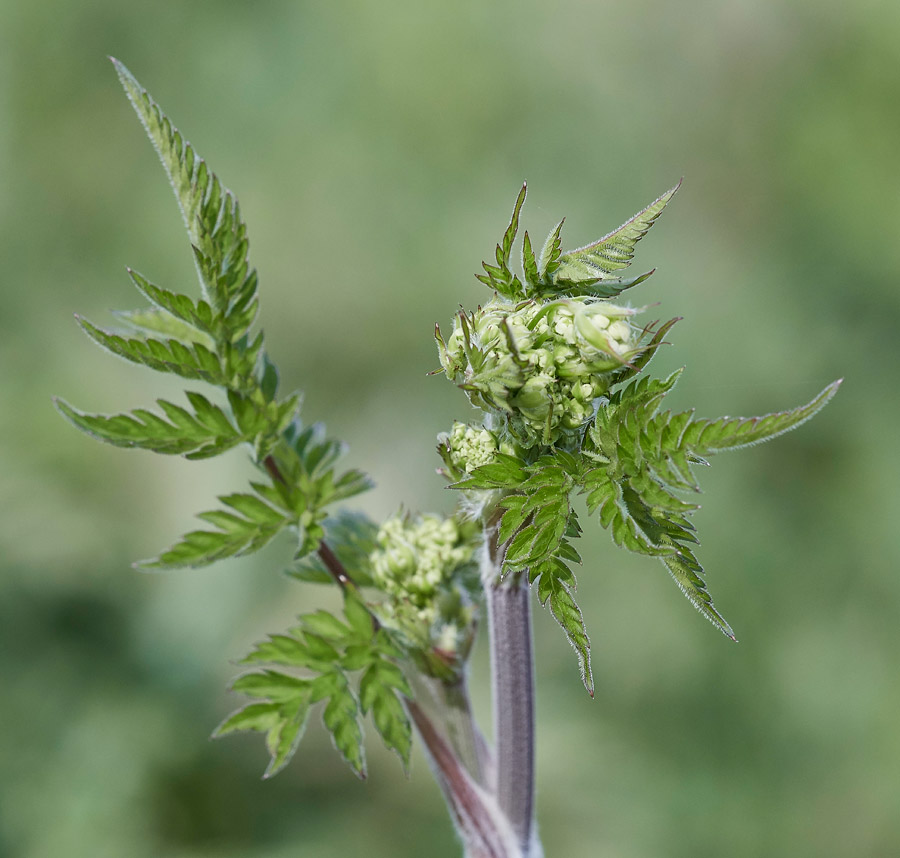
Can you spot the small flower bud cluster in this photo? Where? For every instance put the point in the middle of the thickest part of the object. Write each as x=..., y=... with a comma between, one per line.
x=424, y=566
x=465, y=448
x=542, y=365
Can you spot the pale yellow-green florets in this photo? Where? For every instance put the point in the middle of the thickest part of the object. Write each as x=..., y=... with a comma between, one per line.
x=541, y=365
x=417, y=565
x=465, y=448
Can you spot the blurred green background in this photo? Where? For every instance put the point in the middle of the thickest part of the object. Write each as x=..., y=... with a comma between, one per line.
x=377, y=149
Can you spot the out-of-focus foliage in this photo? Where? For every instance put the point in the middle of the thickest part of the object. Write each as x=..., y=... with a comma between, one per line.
x=372, y=139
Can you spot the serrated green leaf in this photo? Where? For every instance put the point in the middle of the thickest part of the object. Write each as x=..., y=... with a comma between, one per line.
x=283, y=739
x=271, y=685
x=547, y=539
x=358, y=616
x=285, y=650
x=567, y=551
x=542, y=495
x=704, y=437
x=519, y=549
x=155, y=321
x=606, y=287
x=555, y=582
x=549, y=261
x=252, y=508
x=378, y=696
x=182, y=434
x=348, y=485
x=567, y=613
x=260, y=717
x=504, y=472
x=210, y=415
x=499, y=277
x=236, y=535
x=505, y=251
x=615, y=250
x=512, y=520
x=284, y=723
x=529, y=263
x=686, y=571
x=320, y=648
x=197, y=317
x=193, y=361
x=211, y=213
x=357, y=656
x=326, y=626
x=341, y=719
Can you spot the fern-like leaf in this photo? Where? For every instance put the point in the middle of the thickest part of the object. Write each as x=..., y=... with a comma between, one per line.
x=206, y=431
x=247, y=525
x=194, y=361
x=341, y=718
x=196, y=316
x=612, y=252
x=499, y=277
x=211, y=213
x=555, y=586
x=704, y=437
x=551, y=253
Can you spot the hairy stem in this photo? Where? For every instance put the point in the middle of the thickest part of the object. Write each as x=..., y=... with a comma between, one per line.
x=484, y=829
x=512, y=668
x=448, y=704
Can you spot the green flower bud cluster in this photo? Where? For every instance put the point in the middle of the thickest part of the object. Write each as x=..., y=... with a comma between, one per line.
x=542, y=366
x=465, y=448
x=426, y=567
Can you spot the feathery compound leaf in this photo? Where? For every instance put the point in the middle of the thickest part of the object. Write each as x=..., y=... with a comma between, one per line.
x=210, y=211
x=639, y=457
x=550, y=254
x=330, y=649
x=537, y=514
x=282, y=741
x=282, y=717
x=197, y=315
x=504, y=472
x=152, y=320
x=598, y=288
x=554, y=589
x=341, y=718
x=193, y=361
x=499, y=277
x=704, y=437
x=615, y=250
x=252, y=525
x=686, y=571
x=509, y=236
x=529, y=263
x=378, y=693
x=206, y=431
